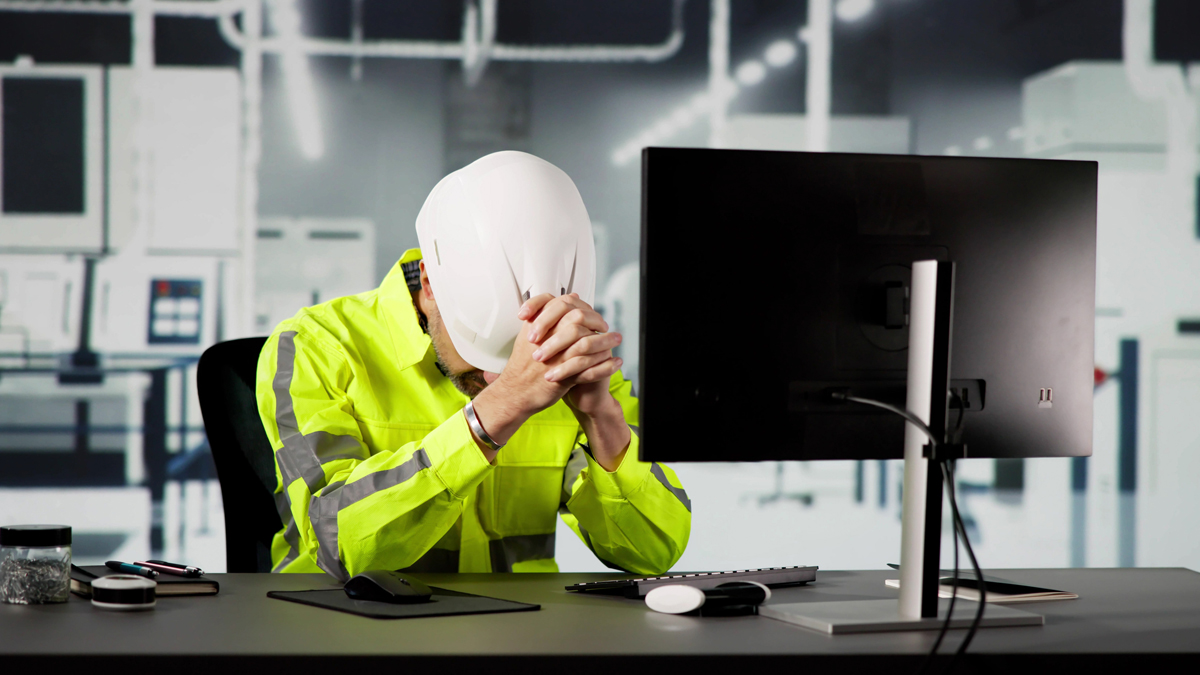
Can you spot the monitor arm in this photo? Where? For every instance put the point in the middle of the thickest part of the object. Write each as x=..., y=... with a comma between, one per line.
x=929, y=342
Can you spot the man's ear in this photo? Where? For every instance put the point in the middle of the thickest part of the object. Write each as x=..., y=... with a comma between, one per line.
x=426, y=287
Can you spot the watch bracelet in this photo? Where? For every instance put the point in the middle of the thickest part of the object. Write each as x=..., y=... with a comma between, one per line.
x=477, y=427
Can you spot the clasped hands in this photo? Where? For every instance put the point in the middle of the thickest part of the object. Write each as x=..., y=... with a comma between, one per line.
x=564, y=351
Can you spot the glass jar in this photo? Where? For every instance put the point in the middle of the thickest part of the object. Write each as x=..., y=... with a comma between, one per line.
x=35, y=564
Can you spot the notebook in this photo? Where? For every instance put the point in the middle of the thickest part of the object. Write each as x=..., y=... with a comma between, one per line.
x=168, y=585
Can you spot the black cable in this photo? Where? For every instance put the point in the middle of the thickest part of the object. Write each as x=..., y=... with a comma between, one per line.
x=949, y=612
x=955, y=438
x=911, y=417
x=956, y=435
x=948, y=469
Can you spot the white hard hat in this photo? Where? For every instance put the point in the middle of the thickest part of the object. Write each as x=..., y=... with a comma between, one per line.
x=496, y=232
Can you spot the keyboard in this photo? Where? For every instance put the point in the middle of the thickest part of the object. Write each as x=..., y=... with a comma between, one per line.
x=771, y=577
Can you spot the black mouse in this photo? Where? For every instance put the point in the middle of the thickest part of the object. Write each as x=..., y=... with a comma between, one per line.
x=384, y=586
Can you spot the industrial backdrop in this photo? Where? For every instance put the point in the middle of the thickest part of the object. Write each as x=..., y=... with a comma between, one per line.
x=177, y=173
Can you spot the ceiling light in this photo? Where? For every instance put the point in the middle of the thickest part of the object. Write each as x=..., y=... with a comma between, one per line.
x=853, y=10
x=780, y=53
x=751, y=73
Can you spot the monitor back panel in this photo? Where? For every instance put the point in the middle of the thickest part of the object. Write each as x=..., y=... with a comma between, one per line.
x=766, y=279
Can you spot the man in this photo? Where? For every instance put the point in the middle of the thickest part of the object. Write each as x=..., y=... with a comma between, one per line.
x=439, y=422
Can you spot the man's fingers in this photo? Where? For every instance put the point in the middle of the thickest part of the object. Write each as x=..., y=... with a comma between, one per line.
x=597, y=373
x=563, y=336
x=532, y=306
x=575, y=340
x=593, y=344
x=559, y=308
x=572, y=367
x=551, y=313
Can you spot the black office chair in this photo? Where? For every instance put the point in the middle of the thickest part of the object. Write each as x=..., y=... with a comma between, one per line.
x=240, y=449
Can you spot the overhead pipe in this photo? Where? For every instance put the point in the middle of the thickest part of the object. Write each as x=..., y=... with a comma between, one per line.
x=284, y=17
x=720, y=87
x=211, y=9
x=356, y=36
x=479, y=37
x=433, y=49
x=818, y=36
x=251, y=69
x=142, y=60
x=224, y=11
x=310, y=46
x=66, y=6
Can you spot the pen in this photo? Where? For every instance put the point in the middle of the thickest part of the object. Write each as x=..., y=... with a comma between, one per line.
x=171, y=568
x=118, y=566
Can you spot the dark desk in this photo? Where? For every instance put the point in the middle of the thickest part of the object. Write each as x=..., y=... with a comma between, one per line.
x=1135, y=618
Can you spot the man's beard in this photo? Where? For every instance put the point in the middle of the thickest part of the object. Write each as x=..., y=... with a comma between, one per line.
x=469, y=382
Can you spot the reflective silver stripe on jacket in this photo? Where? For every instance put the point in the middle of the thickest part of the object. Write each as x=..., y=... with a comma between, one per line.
x=575, y=465
x=290, y=533
x=679, y=493
x=661, y=475
x=302, y=456
x=323, y=508
x=322, y=513
x=520, y=548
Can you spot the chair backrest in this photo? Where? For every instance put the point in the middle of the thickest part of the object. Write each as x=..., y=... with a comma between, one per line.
x=245, y=462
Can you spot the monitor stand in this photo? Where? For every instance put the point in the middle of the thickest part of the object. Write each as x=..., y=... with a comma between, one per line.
x=919, y=608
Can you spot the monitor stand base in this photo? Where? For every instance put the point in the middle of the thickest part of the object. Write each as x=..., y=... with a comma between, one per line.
x=874, y=616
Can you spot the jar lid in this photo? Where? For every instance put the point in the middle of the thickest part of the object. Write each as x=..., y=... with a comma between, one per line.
x=35, y=535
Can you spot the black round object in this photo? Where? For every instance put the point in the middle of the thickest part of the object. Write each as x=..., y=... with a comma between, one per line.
x=737, y=593
x=139, y=593
x=734, y=598
x=35, y=535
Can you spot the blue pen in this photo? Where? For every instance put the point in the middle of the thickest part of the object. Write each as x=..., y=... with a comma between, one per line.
x=118, y=566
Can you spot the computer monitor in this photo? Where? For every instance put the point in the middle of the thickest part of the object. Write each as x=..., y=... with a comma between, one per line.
x=52, y=158
x=769, y=279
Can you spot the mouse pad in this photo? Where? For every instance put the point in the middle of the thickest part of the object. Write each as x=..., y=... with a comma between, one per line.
x=444, y=602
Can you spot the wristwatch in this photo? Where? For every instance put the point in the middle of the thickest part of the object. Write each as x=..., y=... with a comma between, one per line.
x=477, y=428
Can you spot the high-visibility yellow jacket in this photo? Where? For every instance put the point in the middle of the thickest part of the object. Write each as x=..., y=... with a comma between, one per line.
x=377, y=468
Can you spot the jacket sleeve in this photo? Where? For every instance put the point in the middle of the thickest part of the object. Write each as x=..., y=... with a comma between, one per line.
x=637, y=518
x=352, y=511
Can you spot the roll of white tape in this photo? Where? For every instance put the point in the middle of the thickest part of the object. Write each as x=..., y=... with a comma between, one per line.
x=123, y=592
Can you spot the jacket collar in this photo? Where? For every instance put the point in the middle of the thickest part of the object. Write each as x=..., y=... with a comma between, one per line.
x=409, y=341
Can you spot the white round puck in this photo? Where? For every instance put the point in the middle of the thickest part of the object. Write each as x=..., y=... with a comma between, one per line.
x=675, y=599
